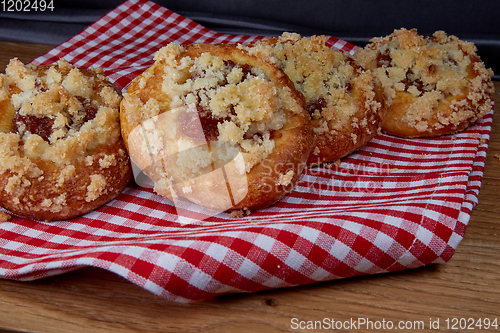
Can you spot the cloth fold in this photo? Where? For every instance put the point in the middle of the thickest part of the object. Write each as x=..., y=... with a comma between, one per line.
x=393, y=205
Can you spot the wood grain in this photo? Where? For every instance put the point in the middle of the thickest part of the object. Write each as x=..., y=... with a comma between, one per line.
x=24, y=52
x=93, y=300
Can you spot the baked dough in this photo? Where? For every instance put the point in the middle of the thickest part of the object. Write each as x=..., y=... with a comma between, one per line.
x=432, y=85
x=342, y=99
x=210, y=120
x=61, y=152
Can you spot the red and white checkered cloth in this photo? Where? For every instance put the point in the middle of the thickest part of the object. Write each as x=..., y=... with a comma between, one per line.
x=395, y=204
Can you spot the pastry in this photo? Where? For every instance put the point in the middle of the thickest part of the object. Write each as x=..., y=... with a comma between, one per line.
x=61, y=151
x=432, y=85
x=216, y=126
x=341, y=97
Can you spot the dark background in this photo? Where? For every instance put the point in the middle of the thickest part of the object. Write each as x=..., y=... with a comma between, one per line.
x=355, y=21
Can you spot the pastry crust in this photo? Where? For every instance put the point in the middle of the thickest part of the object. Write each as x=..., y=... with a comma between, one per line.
x=432, y=85
x=342, y=99
x=253, y=129
x=61, y=152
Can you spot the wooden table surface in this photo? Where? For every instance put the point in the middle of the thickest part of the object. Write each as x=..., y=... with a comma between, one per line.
x=468, y=286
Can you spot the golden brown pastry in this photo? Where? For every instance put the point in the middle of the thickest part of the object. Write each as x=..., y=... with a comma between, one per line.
x=218, y=126
x=342, y=99
x=61, y=152
x=433, y=85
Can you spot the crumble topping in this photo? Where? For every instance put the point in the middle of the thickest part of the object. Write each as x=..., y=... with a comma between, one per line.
x=4, y=217
x=236, y=103
x=285, y=179
x=325, y=77
x=96, y=187
x=430, y=70
x=107, y=161
x=54, y=115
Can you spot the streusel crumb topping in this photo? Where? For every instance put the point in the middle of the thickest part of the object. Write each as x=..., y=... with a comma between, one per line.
x=431, y=70
x=235, y=103
x=54, y=115
x=325, y=77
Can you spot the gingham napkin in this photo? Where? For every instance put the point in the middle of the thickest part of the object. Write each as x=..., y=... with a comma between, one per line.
x=395, y=204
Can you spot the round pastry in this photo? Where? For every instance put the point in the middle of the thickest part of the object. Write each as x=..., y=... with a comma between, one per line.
x=432, y=85
x=342, y=99
x=217, y=126
x=61, y=152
